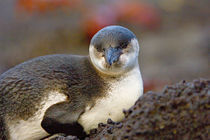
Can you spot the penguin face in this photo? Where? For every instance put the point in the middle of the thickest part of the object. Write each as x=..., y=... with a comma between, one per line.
x=114, y=50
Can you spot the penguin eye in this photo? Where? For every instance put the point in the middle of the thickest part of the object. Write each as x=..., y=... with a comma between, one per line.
x=123, y=45
x=98, y=48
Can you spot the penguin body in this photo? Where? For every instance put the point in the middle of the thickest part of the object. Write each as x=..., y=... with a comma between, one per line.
x=71, y=94
x=121, y=94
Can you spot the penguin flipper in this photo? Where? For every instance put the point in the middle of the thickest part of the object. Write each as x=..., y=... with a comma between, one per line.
x=62, y=118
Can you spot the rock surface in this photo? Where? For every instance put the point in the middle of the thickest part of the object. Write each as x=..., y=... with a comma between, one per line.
x=181, y=111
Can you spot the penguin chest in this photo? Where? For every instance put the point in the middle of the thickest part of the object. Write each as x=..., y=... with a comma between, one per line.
x=121, y=95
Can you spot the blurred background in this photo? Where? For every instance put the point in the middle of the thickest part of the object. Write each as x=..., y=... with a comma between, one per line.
x=173, y=34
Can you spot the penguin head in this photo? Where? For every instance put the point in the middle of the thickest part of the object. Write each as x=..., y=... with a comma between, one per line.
x=114, y=50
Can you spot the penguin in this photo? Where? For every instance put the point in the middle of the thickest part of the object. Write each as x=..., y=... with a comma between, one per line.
x=71, y=94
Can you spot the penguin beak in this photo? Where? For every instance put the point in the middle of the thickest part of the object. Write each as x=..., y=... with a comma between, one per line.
x=112, y=55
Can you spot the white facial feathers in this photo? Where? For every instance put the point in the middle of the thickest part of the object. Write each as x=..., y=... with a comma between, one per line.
x=127, y=60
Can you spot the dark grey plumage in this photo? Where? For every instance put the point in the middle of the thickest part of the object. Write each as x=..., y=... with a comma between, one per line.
x=31, y=80
x=114, y=36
